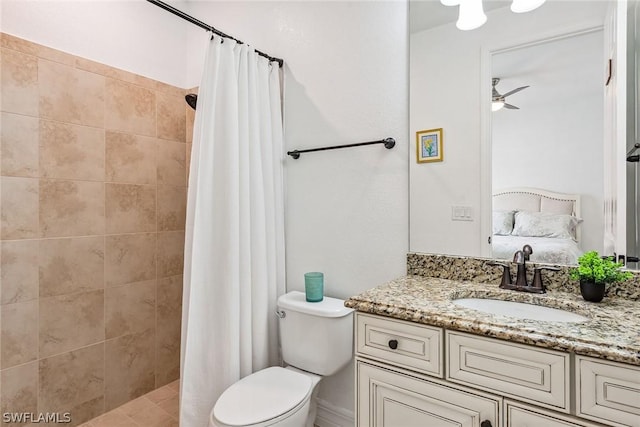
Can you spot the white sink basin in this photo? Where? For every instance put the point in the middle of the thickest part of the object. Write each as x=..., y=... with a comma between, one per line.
x=519, y=310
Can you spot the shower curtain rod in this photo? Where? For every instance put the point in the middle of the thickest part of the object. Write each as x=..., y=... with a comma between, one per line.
x=207, y=27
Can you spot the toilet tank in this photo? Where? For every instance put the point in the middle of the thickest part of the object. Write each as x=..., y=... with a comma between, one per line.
x=315, y=336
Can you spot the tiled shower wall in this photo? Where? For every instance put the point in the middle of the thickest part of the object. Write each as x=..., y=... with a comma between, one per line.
x=92, y=199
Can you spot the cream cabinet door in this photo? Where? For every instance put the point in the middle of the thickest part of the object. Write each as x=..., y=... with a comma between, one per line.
x=397, y=398
x=520, y=415
x=608, y=392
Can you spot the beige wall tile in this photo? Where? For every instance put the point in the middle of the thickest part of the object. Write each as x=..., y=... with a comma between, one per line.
x=130, y=309
x=171, y=163
x=15, y=43
x=70, y=321
x=71, y=151
x=19, y=83
x=18, y=271
x=129, y=367
x=73, y=382
x=154, y=85
x=20, y=390
x=170, y=253
x=171, y=115
x=71, y=208
x=172, y=207
x=19, y=208
x=70, y=95
x=19, y=145
x=55, y=55
x=130, y=108
x=111, y=72
x=130, y=258
x=131, y=158
x=189, y=148
x=130, y=208
x=19, y=333
x=168, y=330
x=71, y=265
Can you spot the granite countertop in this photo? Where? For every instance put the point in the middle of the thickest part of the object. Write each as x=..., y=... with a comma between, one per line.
x=612, y=333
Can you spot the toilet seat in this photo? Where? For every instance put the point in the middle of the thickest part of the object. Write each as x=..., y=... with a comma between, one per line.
x=265, y=395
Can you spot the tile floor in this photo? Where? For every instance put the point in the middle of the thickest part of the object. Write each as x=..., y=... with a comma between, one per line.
x=158, y=408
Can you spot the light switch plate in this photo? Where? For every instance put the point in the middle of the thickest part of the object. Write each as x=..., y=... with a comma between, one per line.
x=461, y=213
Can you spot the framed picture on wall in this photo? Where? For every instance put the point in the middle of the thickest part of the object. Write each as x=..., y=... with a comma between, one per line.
x=429, y=145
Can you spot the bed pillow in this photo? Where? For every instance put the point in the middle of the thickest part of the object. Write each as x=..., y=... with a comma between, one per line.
x=542, y=224
x=502, y=222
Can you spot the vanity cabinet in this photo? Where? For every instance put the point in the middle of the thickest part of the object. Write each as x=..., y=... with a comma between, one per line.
x=536, y=375
x=522, y=415
x=608, y=391
x=400, y=398
x=404, y=344
x=408, y=374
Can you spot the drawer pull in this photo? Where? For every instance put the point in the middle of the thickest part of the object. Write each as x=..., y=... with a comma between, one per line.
x=485, y=423
x=393, y=344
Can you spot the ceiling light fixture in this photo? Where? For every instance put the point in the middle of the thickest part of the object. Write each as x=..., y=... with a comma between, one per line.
x=497, y=105
x=471, y=14
x=521, y=6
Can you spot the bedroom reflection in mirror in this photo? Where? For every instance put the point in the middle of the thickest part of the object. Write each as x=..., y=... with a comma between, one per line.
x=549, y=222
x=550, y=149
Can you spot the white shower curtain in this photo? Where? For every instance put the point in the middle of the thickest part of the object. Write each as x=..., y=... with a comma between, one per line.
x=234, y=243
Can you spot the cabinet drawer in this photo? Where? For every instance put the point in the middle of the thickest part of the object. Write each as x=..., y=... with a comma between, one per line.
x=520, y=415
x=402, y=343
x=398, y=398
x=608, y=392
x=537, y=375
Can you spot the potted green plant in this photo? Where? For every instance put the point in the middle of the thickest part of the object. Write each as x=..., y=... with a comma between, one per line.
x=594, y=272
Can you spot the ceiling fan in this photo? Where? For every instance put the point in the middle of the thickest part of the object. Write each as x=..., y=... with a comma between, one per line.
x=498, y=100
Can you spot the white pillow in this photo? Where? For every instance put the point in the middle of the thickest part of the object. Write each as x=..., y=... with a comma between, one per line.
x=502, y=222
x=541, y=224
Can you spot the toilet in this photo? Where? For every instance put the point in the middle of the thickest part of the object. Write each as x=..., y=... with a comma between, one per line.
x=316, y=340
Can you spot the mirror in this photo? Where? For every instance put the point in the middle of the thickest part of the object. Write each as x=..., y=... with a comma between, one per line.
x=552, y=142
x=555, y=138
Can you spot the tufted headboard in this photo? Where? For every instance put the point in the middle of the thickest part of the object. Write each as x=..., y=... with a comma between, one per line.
x=537, y=200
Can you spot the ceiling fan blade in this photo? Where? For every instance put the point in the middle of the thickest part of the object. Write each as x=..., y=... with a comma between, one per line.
x=511, y=92
x=511, y=107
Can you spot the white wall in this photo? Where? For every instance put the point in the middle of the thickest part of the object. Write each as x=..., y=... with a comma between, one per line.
x=345, y=82
x=445, y=71
x=554, y=141
x=132, y=35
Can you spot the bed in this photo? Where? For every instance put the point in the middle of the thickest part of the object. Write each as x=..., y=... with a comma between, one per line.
x=546, y=220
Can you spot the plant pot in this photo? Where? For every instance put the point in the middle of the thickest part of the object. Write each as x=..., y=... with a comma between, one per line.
x=592, y=291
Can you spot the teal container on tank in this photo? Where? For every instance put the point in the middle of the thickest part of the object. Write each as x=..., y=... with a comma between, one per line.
x=314, y=286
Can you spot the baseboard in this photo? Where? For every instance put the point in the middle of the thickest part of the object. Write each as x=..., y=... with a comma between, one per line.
x=330, y=415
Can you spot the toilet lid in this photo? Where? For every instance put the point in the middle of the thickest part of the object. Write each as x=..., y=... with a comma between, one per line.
x=261, y=396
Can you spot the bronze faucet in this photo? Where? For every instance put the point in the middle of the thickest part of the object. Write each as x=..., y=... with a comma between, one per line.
x=520, y=258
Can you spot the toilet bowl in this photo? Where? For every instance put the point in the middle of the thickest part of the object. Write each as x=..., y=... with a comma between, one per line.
x=316, y=340
x=282, y=397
